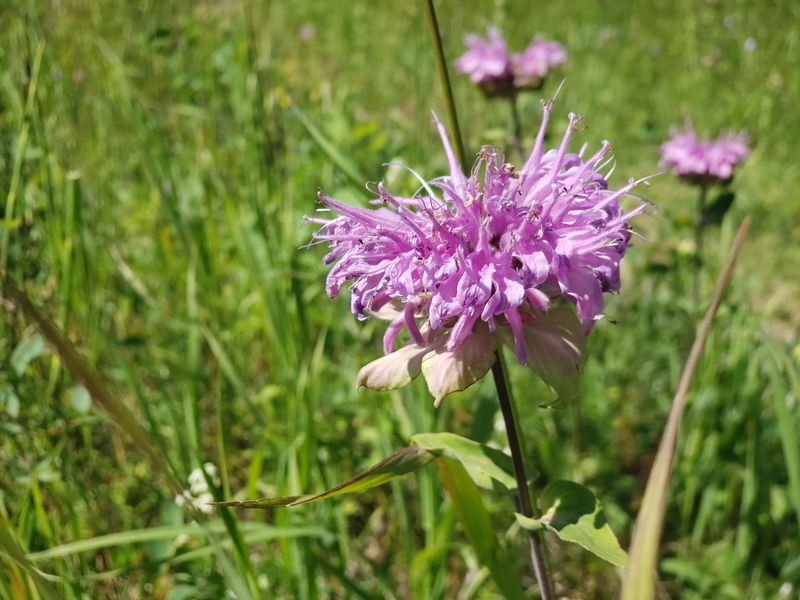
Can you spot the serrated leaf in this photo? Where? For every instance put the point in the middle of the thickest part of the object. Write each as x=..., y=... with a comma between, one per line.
x=488, y=467
x=400, y=463
x=26, y=351
x=477, y=524
x=575, y=515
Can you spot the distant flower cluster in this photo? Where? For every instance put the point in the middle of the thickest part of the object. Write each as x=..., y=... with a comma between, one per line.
x=484, y=252
x=704, y=162
x=489, y=64
x=198, y=494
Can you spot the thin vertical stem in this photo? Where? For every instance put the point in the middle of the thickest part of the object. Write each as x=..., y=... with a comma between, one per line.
x=516, y=124
x=525, y=501
x=698, y=241
x=444, y=80
x=498, y=371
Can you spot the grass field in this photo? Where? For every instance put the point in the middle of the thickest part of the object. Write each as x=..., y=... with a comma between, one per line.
x=155, y=163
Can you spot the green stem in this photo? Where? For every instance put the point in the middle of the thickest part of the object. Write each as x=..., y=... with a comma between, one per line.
x=698, y=242
x=516, y=123
x=444, y=80
x=503, y=396
x=525, y=501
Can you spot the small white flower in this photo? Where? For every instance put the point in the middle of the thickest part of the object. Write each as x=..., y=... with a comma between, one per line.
x=786, y=589
x=749, y=45
x=198, y=495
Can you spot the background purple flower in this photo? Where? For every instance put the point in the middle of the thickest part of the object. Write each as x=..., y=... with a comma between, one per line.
x=490, y=65
x=705, y=161
x=487, y=61
x=531, y=66
x=484, y=255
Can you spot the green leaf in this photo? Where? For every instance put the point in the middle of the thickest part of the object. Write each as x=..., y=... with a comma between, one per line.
x=489, y=468
x=338, y=158
x=477, y=523
x=574, y=514
x=403, y=461
x=26, y=351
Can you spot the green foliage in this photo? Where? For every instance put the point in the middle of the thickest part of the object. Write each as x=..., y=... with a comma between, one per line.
x=575, y=515
x=155, y=164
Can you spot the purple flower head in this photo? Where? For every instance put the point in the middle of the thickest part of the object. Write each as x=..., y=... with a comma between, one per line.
x=481, y=258
x=487, y=62
x=703, y=162
x=532, y=64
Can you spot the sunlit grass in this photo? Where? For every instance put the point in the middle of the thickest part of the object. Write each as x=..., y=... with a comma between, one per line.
x=157, y=221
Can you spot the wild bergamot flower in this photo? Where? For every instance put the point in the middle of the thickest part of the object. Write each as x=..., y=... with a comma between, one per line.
x=484, y=258
x=704, y=162
x=489, y=64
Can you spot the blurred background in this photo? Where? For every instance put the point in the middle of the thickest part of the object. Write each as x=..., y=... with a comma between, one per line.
x=156, y=160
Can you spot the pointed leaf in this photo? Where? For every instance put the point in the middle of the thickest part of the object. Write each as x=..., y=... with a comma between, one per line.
x=477, y=523
x=447, y=371
x=574, y=514
x=489, y=468
x=393, y=370
x=402, y=462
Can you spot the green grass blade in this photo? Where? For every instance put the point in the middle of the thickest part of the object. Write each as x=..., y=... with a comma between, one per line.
x=639, y=582
x=11, y=550
x=81, y=370
x=329, y=149
x=788, y=426
x=477, y=524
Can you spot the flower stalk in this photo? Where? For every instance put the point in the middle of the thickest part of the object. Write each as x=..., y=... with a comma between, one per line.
x=444, y=79
x=516, y=125
x=498, y=371
x=525, y=501
x=699, y=225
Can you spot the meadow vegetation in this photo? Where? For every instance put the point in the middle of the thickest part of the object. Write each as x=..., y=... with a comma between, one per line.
x=155, y=163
